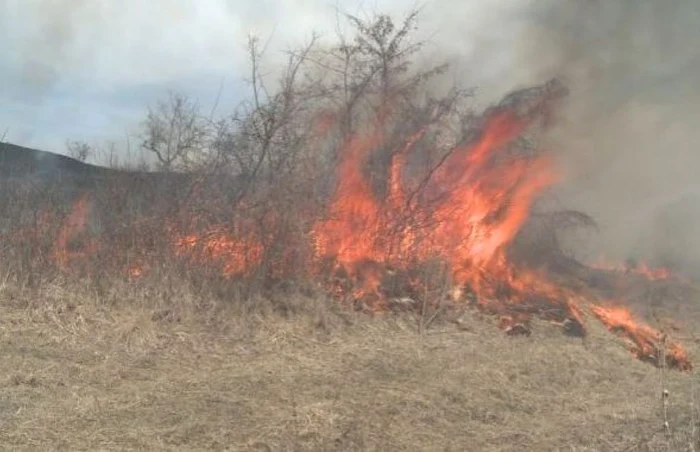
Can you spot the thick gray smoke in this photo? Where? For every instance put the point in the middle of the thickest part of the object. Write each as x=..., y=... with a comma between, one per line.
x=628, y=134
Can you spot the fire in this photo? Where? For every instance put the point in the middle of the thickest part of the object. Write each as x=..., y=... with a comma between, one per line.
x=473, y=207
x=135, y=271
x=72, y=242
x=647, y=343
x=477, y=202
x=236, y=256
x=486, y=203
x=641, y=268
x=463, y=214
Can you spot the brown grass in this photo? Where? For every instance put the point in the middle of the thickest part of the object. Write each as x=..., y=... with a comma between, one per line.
x=127, y=370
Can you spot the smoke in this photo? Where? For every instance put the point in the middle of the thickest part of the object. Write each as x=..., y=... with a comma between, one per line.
x=627, y=134
x=103, y=43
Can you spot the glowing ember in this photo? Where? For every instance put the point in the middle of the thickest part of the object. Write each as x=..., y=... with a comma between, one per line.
x=135, y=271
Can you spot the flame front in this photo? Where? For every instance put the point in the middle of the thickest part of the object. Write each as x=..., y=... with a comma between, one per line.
x=641, y=268
x=472, y=207
x=464, y=213
x=647, y=343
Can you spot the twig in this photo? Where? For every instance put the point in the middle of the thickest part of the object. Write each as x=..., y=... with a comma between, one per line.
x=664, y=389
x=693, y=415
x=435, y=314
x=217, y=99
x=422, y=325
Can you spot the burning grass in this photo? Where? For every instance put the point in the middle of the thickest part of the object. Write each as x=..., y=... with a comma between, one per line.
x=363, y=245
x=636, y=268
x=206, y=309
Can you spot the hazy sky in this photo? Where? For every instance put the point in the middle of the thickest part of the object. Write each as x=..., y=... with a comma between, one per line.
x=86, y=69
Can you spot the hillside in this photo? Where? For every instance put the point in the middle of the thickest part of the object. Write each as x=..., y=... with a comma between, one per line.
x=38, y=171
x=19, y=161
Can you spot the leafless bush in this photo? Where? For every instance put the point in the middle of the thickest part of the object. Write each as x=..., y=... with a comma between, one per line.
x=174, y=133
x=79, y=150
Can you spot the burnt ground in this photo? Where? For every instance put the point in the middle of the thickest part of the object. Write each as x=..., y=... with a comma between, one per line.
x=132, y=369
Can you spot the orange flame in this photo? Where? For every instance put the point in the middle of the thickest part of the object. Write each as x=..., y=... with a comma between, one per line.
x=71, y=242
x=476, y=204
x=477, y=208
x=642, y=269
x=647, y=343
x=236, y=256
x=135, y=271
x=465, y=213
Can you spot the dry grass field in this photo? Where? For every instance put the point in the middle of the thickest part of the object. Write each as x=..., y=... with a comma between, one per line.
x=132, y=370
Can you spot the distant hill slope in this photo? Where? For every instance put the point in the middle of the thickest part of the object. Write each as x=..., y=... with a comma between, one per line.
x=19, y=161
x=20, y=164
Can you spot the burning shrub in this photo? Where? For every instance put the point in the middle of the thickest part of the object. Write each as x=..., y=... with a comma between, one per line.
x=420, y=212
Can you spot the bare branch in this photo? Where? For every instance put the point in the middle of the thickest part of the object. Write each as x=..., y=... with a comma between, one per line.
x=174, y=132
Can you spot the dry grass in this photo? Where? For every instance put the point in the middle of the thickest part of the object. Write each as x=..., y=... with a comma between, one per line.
x=82, y=372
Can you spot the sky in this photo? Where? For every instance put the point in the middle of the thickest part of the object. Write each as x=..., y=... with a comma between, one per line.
x=88, y=69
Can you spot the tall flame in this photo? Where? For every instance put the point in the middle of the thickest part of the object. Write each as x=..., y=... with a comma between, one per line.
x=476, y=204
x=71, y=242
